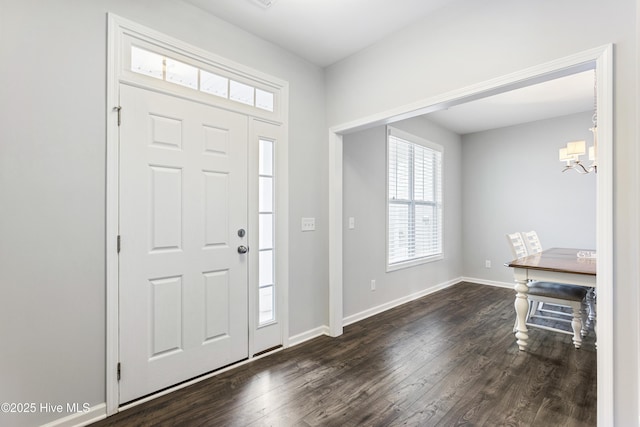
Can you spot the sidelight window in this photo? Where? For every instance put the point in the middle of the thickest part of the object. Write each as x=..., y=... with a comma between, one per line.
x=266, y=229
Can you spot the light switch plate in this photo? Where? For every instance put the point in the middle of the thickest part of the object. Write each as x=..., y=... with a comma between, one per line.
x=308, y=224
x=352, y=223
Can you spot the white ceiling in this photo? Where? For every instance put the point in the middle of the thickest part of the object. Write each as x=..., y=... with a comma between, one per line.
x=321, y=31
x=554, y=98
x=326, y=31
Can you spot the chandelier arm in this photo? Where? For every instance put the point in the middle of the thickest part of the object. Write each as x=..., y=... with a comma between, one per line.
x=584, y=170
x=579, y=167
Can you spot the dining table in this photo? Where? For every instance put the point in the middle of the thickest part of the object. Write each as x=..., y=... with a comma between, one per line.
x=569, y=266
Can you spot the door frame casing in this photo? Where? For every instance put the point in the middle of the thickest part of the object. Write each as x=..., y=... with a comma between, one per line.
x=600, y=58
x=118, y=29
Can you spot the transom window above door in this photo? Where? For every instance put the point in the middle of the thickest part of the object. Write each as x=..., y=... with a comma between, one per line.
x=171, y=70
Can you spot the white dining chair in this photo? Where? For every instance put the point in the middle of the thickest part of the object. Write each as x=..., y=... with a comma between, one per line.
x=558, y=294
x=532, y=242
x=521, y=247
x=533, y=246
x=518, y=247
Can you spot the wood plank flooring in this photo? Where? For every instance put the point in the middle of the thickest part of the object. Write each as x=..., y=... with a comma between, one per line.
x=448, y=359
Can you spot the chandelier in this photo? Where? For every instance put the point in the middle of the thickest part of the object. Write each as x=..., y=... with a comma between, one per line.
x=572, y=152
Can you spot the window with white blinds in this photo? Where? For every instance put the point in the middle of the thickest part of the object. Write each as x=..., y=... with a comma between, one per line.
x=414, y=211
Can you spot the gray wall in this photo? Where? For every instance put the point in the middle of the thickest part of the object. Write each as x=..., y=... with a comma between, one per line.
x=469, y=42
x=52, y=186
x=512, y=181
x=365, y=197
x=496, y=182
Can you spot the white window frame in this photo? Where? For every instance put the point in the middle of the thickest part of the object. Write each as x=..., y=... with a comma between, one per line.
x=411, y=201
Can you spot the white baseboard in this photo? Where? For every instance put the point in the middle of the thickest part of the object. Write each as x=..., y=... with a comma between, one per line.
x=308, y=335
x=395, y=303
x=324, y=330
x=80, y=419
x=488, y=282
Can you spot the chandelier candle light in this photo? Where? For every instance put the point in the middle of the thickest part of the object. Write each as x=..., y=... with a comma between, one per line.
x=572, y=152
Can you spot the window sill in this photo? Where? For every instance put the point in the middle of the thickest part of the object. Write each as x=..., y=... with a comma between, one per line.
x=414, y=262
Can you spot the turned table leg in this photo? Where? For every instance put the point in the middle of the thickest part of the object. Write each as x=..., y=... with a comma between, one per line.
x=576, y=325
x=522, y=306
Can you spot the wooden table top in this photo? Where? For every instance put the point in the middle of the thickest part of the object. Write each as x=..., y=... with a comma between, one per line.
x=564, y=260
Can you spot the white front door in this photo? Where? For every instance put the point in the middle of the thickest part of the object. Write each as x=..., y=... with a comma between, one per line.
x=182, y=279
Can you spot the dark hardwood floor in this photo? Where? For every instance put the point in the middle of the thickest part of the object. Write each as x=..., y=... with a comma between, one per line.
x=448, y=359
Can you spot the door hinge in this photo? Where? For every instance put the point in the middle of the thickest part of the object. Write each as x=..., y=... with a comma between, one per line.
x=118, y=371
x=118, y=109
x=118, y=244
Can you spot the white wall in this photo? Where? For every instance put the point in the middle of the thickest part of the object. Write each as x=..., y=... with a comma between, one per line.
x=469, y=42
x=52, y=186
x=365, y=197
x=512, y=181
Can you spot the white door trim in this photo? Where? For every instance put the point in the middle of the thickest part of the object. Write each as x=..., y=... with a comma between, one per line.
x=119, y=29
x=602, y=59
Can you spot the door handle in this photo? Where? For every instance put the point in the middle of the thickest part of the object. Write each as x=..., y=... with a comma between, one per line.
x=243, y=249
